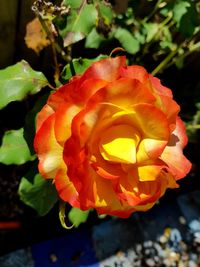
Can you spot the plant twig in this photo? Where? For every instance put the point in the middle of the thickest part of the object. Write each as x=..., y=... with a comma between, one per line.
x=164, y=63
x=192, y=49
x=50, y=36
x=192, y=126
x=156, y=7
x=56, y=48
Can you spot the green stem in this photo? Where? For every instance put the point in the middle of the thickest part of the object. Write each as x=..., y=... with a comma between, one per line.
x=190, y=51
x=62, y=216
x=193, y=48
x=191, y=126
x=164, y=63
x=160, y=27
x=50, y=36
x=156, y=7
x=52, y=40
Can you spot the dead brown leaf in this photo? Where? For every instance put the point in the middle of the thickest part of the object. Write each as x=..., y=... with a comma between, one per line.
x=36, y=37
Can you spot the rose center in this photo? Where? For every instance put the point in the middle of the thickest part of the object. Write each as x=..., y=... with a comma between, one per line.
x=118, y=144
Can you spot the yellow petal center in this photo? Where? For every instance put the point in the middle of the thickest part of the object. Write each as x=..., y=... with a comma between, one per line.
x=118, y=144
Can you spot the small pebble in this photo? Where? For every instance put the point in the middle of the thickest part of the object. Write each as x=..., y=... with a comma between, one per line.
x=53, y=258
x=163, y=239
x=194, y=225
x=185, y=257
x=197, y=235
x=138, y=248
x=191, y=263
x=167, y=232
x=182, y=220
x=175, y=235
x=167, y=262
x=132, y=256
x=137, y=263
x=174, y=256
x=193, y=257
x=150, y=262
x=183, y=246
x=147, y=252
x=197, y=240
x=148, y=244
x=181, y=264
x=156, y=259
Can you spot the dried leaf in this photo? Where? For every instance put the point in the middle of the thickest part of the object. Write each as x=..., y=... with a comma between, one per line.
x=36, y=37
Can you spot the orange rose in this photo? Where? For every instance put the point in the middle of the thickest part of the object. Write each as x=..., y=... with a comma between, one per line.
x=111, y=139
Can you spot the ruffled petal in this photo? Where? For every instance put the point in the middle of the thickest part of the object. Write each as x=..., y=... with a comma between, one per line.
x=170, y=108
x=63, y=118
x=126, y=92
x=62, y=94
x=66, y=189
x=118, y=144
x=149, y=172
x=180, y=132
x=135, y=72
x=158, y=88
x=173, y=156
x=107, y=69
x=43, y=115
x=48, y=150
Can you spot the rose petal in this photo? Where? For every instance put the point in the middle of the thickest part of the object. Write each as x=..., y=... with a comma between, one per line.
x=103, y=168
x=180, y=132
x=173, y=156
x=135, y=72
x=149, y=172
x=48, y=150
x=107, y=69
x=118, y=144
x=43, y=115
x=87, y=89
x=158, y=88
x=171, y=110
x=66, y=189
x=63, y=118
x=62, y=94
x=126, y=92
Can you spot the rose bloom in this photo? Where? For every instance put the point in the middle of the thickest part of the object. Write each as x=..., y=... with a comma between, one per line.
x=111, y=139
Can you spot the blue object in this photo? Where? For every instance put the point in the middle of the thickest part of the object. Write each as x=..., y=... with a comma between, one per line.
x=73, y=250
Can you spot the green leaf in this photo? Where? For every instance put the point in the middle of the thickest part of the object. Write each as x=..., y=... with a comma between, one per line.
x=18, y=81
x=166, y=39
x=127, y=40
x=37, y=192
x=179, y=63
x=168, y=8
x=166, y=34
x=77, y=216
x=14, y=149
x=189, y=21
x=78, y=66
x=72, y=3
x=106, y=13
x=140, y=37
x=94, y=39
x=29, y=127
x=184, y=14
x=79, y=23
x=168, y=45
x=150, y=30
x=180, y=9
